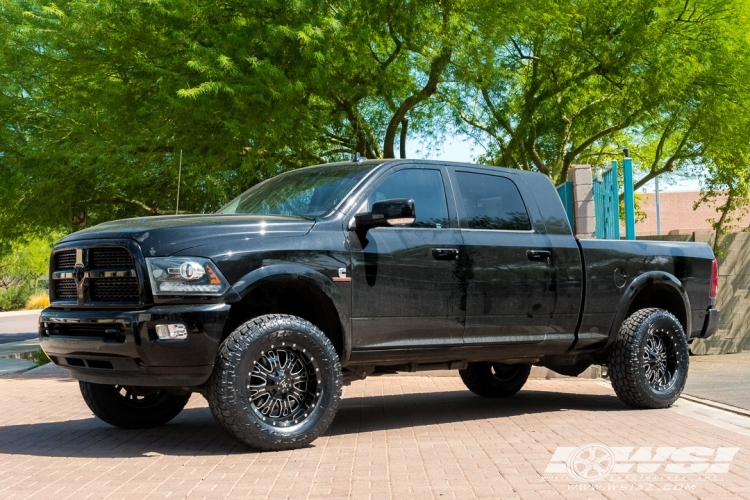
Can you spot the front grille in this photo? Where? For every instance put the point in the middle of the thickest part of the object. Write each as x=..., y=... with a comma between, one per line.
x=114, y=289
x=65, y=260
x=112, y=332
x=107, y=257
x=108, y=276
x=65, y=289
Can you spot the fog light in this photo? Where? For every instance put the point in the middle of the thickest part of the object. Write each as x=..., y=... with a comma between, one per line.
x=176, y=331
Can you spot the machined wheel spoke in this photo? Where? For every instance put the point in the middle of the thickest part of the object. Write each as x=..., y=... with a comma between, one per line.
x=281, y=384
x=658, y=359
x=273, y=360
x=258, y=393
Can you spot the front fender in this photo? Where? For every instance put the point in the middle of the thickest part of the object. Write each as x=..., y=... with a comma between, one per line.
x=639, y=284
x=293, y=271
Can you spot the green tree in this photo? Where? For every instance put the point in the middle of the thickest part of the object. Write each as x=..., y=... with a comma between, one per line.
x=103, y=96
x=548, y=84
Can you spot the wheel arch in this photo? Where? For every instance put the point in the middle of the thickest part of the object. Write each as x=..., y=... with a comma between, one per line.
x=653, y=289
x=295, y=289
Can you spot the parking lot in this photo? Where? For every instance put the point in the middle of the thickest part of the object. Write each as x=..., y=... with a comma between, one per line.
x=395, y=437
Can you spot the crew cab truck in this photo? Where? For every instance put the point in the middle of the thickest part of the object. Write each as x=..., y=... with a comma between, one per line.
x=332, y=273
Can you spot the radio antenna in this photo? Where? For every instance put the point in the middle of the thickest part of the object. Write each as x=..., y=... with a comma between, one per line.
x=179, y=179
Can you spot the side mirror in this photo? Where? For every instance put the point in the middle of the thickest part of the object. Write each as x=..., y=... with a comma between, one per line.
x=399, y=212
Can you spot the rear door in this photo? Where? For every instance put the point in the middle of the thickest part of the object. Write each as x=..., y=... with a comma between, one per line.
x=406, y=286
x=507, y=259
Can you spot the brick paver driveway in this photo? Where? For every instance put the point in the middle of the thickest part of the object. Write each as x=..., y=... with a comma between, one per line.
x=398, y=437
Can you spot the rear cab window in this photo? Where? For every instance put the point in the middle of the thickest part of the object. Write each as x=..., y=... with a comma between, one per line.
x=490, y=202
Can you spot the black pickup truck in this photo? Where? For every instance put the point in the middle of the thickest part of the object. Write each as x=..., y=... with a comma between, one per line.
x=332, y=273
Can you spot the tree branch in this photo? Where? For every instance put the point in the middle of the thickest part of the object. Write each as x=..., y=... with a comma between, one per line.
x=436, y=70
x=402, y=137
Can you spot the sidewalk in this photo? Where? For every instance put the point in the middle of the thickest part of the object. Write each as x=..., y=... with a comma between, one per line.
x=395, y=437
x=724, y=379
x=16, y=326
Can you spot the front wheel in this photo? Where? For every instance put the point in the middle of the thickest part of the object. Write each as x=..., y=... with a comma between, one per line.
x=276, y=383
x=132, y=407
x=495, y=380
x=648, y=364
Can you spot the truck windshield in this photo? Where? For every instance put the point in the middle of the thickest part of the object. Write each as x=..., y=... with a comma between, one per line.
x=307, y=192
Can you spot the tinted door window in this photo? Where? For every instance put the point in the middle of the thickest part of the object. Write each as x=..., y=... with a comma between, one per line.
x=425, y=187
x=491, y=202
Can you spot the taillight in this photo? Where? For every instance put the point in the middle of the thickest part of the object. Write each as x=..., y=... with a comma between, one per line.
x=714, y=279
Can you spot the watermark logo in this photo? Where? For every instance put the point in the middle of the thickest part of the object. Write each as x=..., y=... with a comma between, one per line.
x=591, y=462
x=596, y=462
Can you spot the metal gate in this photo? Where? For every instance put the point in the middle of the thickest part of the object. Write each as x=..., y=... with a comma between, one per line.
x=607, y=201
x=565, y=191
x=606, y=193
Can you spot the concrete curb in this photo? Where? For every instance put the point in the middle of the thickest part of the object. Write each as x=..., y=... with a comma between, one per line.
x=7, y=314
x=9, y=366
x=714, y=404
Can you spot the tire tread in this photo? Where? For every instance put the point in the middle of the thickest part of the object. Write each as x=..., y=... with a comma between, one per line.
x=624, y=363
x=220, y=387
x=105, y=407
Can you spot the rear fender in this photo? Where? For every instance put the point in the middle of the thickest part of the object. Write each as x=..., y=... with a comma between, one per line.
x=640, y=284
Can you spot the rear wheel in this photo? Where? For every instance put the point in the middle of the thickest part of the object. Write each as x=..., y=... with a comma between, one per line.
x=648, y=365
x=132, y=407
x=495, y=380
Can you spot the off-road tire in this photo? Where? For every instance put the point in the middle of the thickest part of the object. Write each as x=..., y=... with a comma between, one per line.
x=495, y=380
x=234, y=382
x=152, y=408
x=629, y=356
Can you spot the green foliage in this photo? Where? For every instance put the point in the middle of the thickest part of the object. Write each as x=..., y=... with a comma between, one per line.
x=39, y=358
x=729, y=177
x=27, y=260
x=103, y=96
x=553, y=83
x=14, y=297
x=20, y=269
x=98, y=99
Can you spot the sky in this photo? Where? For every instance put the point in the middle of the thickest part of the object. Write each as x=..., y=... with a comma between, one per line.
x=464, y=149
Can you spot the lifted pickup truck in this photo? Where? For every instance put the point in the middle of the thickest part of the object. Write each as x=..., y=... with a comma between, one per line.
x=332, y=273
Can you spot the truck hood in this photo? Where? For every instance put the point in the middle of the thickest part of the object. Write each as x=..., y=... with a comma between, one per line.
x=165, y=235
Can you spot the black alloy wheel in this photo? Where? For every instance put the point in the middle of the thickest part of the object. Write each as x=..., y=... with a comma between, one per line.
x=276, y=383
x=648, y=363
x=659, y=359
x=282, y=386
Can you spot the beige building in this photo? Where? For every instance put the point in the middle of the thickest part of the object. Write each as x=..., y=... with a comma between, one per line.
x=677, y=214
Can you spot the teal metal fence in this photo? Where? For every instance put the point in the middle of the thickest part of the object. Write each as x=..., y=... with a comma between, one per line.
x=606, y=192
x=565, y=190
x=607, y=201
x=629, y=195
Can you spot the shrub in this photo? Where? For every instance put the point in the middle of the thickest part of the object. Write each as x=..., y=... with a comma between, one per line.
x=14, y=298
x=40, y=358
x=38, y=301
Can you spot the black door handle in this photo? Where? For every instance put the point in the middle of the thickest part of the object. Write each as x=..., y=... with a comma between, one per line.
x=539, y=255
x=445, y=253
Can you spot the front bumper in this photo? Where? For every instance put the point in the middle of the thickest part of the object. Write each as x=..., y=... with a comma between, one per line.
x=120, y=347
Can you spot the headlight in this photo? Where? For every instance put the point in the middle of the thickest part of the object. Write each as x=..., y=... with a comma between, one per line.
x=185, y=276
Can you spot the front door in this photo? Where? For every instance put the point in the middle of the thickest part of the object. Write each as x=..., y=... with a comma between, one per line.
x=508, y=261
x=406, y=287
